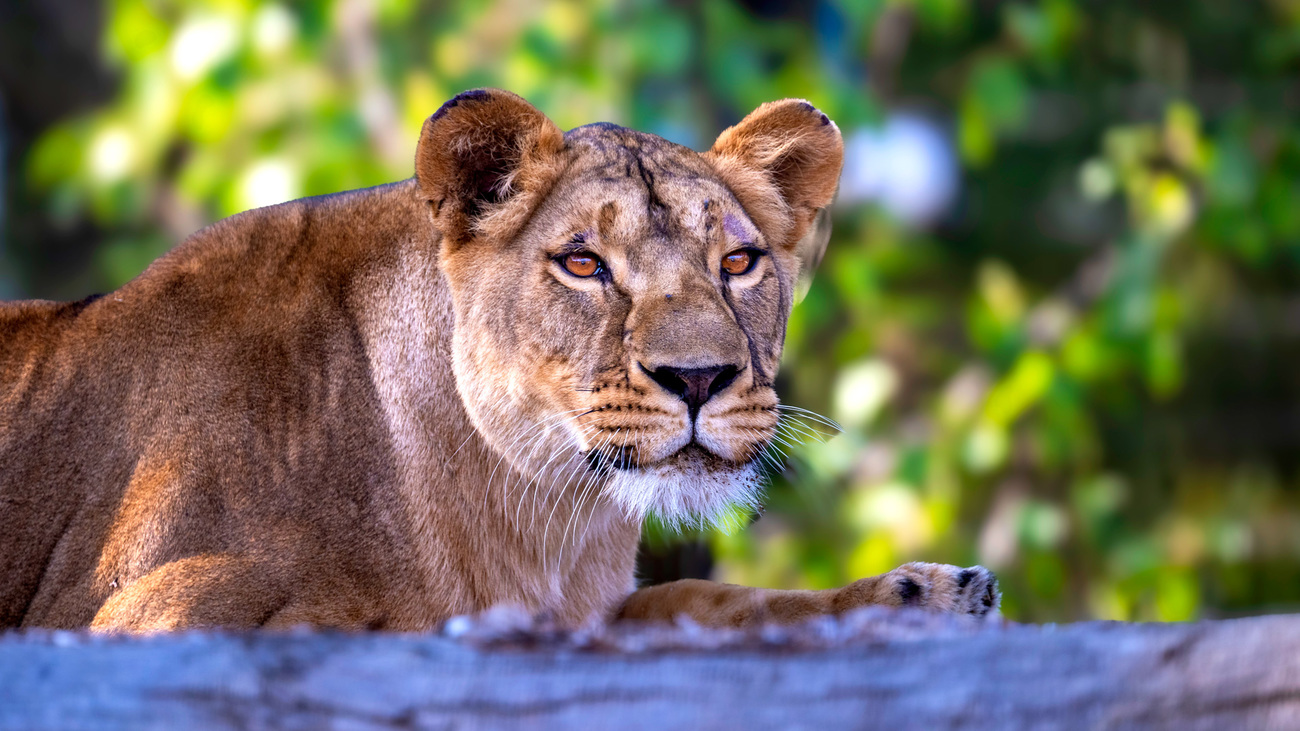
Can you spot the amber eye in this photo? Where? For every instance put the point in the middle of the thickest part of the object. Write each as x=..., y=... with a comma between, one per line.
x=581, y=264
x=739, y=262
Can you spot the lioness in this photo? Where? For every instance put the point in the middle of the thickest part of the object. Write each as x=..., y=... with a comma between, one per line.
x=386, y=407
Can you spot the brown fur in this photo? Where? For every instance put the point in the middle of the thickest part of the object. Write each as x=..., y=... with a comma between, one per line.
x=386, y=407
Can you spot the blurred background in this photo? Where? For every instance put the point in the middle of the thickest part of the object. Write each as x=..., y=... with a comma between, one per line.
x=1059, y=320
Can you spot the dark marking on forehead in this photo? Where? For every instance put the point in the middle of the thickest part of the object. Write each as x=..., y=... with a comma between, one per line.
x=737, y=228
x=654, y=204
x=608, y=150
x=605, y=220
x=668, y=173
x=611, y=149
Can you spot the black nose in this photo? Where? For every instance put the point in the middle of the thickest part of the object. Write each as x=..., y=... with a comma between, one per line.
x=694, y=385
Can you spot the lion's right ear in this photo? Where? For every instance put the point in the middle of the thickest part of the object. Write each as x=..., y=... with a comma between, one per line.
x=485, y=160
x=783, y=162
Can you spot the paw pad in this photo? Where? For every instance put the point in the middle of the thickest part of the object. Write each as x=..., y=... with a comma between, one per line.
x=977, y=591
x=940, y=587
x=909, y=591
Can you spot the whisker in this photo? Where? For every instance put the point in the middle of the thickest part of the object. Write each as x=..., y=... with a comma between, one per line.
x=568, y=478
x=786, y=440
x=813, y=415
x=575, y=453
x=636, y=448
x=547, y=530
x=533, y=481
x=797, y=430
x=764, y=451
x=515, y=435
x=573, y=518
x=472, y=432
x=536, y=442
x=521, y=433
x=590, y=487
x=530, y=437
x=772, y=464
x=779, y=459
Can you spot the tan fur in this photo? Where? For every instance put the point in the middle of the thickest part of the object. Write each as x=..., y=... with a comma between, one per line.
x=387, y=407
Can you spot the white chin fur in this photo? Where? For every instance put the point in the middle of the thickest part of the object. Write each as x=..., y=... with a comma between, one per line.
x=689, y=488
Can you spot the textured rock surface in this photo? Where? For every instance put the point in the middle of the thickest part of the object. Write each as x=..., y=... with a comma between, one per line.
x=874, y=669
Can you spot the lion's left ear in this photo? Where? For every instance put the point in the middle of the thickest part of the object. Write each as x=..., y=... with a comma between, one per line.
x=783, y=162
x=480, y=151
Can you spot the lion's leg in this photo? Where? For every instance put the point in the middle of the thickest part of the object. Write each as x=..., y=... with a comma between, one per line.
x=200, y=591
x=932, y=586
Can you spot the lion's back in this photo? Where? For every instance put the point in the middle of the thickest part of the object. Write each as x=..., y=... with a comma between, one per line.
x=230, y=364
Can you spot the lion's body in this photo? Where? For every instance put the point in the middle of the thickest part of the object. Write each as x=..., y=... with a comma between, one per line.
x=313, y=412
x=232, y=402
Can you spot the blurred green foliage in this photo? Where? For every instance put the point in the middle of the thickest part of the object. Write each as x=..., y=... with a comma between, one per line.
x=1083, y=376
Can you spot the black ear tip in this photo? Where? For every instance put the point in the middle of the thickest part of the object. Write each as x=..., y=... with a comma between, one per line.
x=442, y=110
x=473, y=95
x=481, y=95
x=808, y=107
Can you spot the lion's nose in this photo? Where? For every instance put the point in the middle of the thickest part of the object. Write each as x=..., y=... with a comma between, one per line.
x=695, y=386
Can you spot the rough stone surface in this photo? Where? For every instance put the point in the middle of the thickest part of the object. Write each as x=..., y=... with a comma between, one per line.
x=874, y=669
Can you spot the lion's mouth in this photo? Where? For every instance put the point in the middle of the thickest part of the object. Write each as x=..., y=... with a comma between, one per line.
x=625, y=458
x=691, y=486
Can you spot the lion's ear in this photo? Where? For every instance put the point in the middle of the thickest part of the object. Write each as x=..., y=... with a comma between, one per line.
x=484, y=161
x=783, y=162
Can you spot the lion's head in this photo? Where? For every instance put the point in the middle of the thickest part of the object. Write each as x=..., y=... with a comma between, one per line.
x=621, y=300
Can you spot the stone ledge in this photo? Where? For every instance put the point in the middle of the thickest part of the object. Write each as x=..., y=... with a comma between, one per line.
x=873, y=669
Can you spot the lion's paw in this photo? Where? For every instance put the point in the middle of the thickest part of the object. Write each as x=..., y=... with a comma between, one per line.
x=933, y=586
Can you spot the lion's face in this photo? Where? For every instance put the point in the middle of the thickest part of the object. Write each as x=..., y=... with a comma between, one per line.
x=622, y=335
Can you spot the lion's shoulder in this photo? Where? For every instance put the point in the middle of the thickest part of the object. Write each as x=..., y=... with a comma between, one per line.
x=296, y=241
